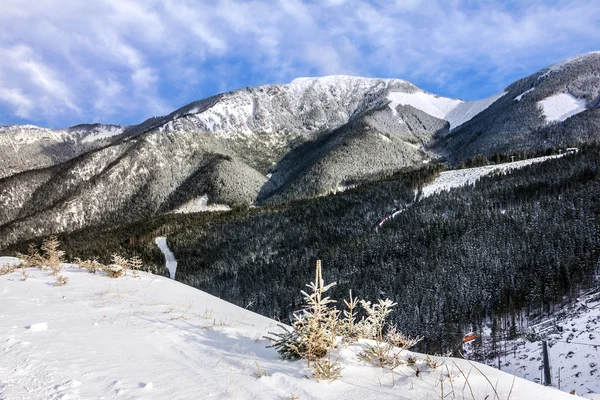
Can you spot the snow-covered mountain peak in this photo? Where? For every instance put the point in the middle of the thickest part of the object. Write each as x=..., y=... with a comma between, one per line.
x=559, y=66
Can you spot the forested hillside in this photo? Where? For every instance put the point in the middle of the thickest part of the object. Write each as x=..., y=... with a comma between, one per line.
x=514, y=242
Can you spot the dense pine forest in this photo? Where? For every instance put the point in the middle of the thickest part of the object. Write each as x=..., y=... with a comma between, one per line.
x=514, y=245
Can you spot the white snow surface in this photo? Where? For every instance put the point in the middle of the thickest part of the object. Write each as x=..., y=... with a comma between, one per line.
x=455, y=111
x=161, y=242
x=573, y=349
x=103, y=132
x=561, y=106
x=461, y=177
x=200, y=204
x=467, y=110
x=155, y=338
x=436, y=106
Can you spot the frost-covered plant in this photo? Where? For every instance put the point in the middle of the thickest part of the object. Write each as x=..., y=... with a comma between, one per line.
x=388, y=347
x=114, y=270
x=24, y=273
x=92, y=266
x=50, y=257
x=61, y=280
x=121, y=261
x=33, y=258
x=348, y=329
x=7, y=269
x=318, y=328
x=135, y=264
x=372, y=327
x=53, y=257
x=387, y=351
x=327, y=370
x=314, y=328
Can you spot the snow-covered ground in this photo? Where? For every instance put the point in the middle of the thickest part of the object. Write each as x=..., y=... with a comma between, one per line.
x=460, y=177
x=434, y=105
x=155, y=338
x=161, y=242
x=561, y=106
x=573, y=349
x=466, y=111
x=200, y=204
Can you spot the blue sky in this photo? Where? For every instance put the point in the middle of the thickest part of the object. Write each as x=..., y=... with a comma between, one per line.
x=64, y=62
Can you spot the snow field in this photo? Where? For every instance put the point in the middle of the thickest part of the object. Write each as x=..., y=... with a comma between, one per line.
x=561, y=106
x=161, y=242
x=154, y=338
x=460, y=177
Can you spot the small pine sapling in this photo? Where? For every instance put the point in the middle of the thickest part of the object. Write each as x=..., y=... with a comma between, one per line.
x=53, y=257
x=33, y=258
x=388, y=347
x=347, y=326
x=313, y=333
x=135, y=264
x=327, y=370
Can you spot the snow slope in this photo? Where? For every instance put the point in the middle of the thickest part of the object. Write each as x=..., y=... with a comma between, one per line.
x=154, y=338
x=433, y=105
x=573, y=349
x=161, y=242
x=467, y=110
x=460, y=177
x=561, y=106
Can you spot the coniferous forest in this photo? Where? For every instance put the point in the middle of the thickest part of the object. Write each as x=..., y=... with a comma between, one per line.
x=514, y=246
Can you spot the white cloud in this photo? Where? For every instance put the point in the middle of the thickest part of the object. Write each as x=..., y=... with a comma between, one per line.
x=120, y=60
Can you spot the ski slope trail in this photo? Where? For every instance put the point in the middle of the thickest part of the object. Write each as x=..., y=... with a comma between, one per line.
x=448, y=180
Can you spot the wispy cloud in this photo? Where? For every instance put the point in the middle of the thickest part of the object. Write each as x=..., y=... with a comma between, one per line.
x=123, y=60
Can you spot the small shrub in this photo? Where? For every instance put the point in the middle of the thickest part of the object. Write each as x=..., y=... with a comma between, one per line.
x=61, y=280
x=53, y=257
x=135, y=264
x=92, y=266
x=7, y=269
x=114, y=271
x=259, y=371
x=25, y=274
x=33, y=258
x=315, y=332
x=327, y=370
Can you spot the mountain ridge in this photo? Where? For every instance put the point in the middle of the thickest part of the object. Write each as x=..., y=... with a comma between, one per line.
x=275, y=143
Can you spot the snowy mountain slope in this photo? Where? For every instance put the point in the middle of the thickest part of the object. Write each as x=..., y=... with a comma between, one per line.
x=468, y=110
x=224, y=148
x=573, y=347
x=557, y=106
x=456, y=178
x=275, y=143
x=153, y=338
x=26, y=147
x=469, y=176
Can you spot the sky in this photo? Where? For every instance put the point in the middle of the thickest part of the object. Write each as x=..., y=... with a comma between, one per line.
x=65, y=62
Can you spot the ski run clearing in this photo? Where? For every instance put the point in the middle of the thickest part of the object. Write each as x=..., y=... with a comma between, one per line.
x=461, y=177
x=154, y=338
